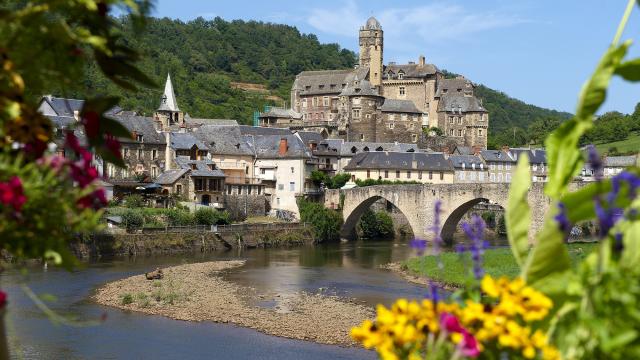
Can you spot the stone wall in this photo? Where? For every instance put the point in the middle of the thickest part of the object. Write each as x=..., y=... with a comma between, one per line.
x=242, y=206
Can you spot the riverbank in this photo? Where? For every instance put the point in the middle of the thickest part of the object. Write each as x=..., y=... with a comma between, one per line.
x=456, y=272
x=199, y=292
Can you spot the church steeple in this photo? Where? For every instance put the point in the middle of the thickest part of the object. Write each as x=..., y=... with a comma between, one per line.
x=168, y=101
x=168, y=113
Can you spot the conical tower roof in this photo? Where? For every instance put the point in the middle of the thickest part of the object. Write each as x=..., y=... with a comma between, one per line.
x=168, y=101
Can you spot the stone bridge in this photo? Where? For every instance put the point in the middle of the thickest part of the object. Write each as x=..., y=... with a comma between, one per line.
x=417, y=202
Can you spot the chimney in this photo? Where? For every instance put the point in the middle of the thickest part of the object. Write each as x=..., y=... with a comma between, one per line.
x=421, y=60
x=282, y=150
x=476, y=150
x=412, y=62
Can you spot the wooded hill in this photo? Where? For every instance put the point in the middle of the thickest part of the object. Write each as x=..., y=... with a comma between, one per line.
x=213, y=64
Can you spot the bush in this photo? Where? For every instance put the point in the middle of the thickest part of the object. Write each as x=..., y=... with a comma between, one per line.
x=335, y=182
x=179, y=217
x=376, y=225
x=489, y=218
x=208, y=216
x=132, y=219
x=501, y=226
x=127, y=299
x=133, y=201
x=326, y=223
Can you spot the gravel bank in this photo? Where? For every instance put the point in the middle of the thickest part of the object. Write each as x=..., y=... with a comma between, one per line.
x=197, y=292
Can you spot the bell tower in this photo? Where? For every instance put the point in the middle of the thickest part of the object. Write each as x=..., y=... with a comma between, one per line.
x=168, y=113
x=371, y=45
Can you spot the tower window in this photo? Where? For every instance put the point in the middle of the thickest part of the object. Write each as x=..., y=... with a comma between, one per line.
x=414, y=137
x=479, y=132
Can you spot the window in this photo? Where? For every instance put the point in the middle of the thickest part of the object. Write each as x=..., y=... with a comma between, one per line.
x=472, y=176
x=391, y=117
x=229, y=189
x=460, y=132
x=292, y=170
x=199, y=185
x=441, y=175
x=412, y=126
x=400, y=75
x=500, y=177
x=368, y=174
x=386, y=174
x=263, y=171
x=430, y=175
x=492, y=177
x=461, y=175
x=325, y=101
x=403, y=117
x=391, y=125
x=178, y=189
x=154, y=154
x=259, y=190
x=481, y=176
x=397, y=174
x=361, y=137
x=304, y=103
x=356, y=113
x=139, y=153
x=292, y=186
x=154, y=171
x=280, y=187
x=139, y=137
x=507, y=166
x=401, y=90
x=500, y=166
x=492, y=166
x=507, y=177
x=420, y=175
x=450, y=119
x=408, y=174
x=450, y=132
x=277, y=201
x=126, y=151
x=314, y=101
x=356, y=101
x=460, y=120
x=414, y=137
x=368, y=116
x=479, y=132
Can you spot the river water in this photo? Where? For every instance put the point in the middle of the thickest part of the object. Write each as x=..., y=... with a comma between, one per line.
x=345, y=269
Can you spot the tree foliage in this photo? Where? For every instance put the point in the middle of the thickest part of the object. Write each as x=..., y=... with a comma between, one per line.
x=326, y=223
x=376, y=225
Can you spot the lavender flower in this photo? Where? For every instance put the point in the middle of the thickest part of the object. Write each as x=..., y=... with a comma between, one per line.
x=608, y=217
x=434, y=293
x=419, y=244
x=595, y=161
x=563, y=219
x=475, y=232
x=618, y=246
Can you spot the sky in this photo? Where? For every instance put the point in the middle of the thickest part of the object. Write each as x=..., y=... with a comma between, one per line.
x=538, y=51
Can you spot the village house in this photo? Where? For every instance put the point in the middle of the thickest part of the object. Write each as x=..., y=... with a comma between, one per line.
x=426, y=168
x=614, y=165
x=537, y=162
x=350, y=149
x=501, y=164
x=469, y=169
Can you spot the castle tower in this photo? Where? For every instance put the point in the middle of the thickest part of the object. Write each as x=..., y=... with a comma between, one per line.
x=371, y=50
x=168, y=112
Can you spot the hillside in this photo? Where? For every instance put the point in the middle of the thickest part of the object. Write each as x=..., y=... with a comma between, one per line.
x=229, y=69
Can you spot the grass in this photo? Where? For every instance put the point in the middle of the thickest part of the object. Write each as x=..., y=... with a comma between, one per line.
x=127, y=299
x=497, y=262
x=629, y=145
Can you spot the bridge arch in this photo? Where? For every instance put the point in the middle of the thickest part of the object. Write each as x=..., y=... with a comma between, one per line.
x=453, y=217
x=348, y=230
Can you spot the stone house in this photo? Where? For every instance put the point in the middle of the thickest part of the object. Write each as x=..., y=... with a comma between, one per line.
x=402, y=121
x=537, y=161
x=284, y=164
x=613, y=165
x=184, y=145
x=348, y=150
x=501, y=164
x=205, y=184
x=469, y=169
x=280, y=117
x=426, y=168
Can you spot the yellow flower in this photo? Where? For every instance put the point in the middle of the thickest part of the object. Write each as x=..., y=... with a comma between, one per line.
x=490, y=287
x=529, y=352
x=550, y=353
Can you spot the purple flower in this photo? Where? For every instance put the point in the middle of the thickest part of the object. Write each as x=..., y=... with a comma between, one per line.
x=434, y=295
x=460, y=249
x=595, y=161
x=608, y=217
x=563, y=220
x=419, y=244
x=618, y=246
x=475, y=232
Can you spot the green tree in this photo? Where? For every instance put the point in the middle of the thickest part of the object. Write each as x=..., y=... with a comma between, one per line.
x=376, y=225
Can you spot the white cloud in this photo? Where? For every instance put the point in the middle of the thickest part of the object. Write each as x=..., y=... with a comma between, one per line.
x=433, y=22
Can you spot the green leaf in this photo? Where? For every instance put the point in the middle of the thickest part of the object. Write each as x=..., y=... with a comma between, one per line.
x=549, y=255
x=53, y=256
x=518, y=213
x=564, y=157
x=580, y=204
x=631, y=251
x=629, y=70
x=619, y=340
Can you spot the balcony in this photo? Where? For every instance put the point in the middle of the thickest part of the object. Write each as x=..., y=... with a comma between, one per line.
x=270, y=176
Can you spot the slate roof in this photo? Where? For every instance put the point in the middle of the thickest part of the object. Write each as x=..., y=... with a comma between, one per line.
x=347, y=148
x=373, y=24
x=279, y=112
x=453, y=102
x=399, y=161
x=359, y=87
x=326, y=81
x=267, y=147
x=399, y=106
x=459, y=85
x=202, y=167
x=141, y=125
x=61, y=122
x=169, y=177
x=463, y=150
x=468, y=160
x=194, y=122
x=497, y=156
x=259, y=131
x=620, y=161
x=411, y=71
x=536, y=156
x=62, y=106
x=310, y=137
x=223, y=140
x=186, y=141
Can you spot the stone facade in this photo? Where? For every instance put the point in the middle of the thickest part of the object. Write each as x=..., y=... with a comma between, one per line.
x=242, y=206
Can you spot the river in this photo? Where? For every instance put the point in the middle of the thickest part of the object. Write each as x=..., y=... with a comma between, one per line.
x=344, y=269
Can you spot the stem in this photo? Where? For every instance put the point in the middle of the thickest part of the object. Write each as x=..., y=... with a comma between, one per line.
x=623, y=22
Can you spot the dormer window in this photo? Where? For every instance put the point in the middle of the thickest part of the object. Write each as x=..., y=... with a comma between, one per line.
x=321, y=86
x=308, y=87
x=332, y=86
x=194, y=167
x=139, y=137
x=444, y=91
x=353, y=149
x=379, y=148
x=212, y=166
x=400, y=75
x=366, y=148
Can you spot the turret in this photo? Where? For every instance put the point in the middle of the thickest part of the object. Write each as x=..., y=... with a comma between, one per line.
x=371, y=45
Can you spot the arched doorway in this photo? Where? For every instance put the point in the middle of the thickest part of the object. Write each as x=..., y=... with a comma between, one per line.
x=206, y=199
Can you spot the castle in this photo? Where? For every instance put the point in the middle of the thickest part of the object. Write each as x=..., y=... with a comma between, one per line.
x=384, y=103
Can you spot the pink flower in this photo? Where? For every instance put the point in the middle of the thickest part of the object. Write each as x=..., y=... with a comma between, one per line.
x=469, y=345
x=3, y=299
x=450, y=323
x=91, y=122
x=113, y=145
x=12, y=193
x=95, y=200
